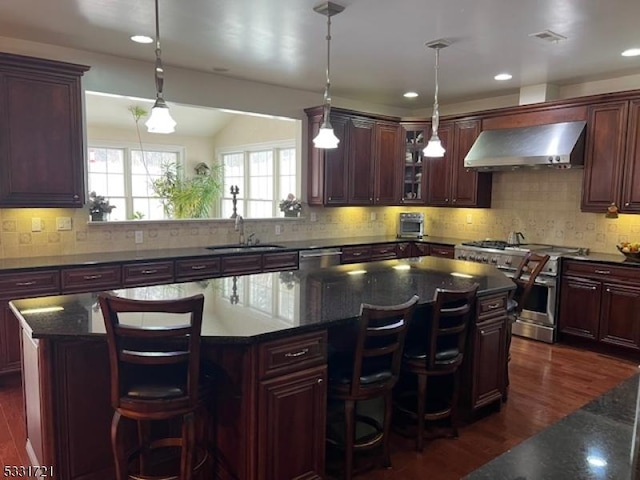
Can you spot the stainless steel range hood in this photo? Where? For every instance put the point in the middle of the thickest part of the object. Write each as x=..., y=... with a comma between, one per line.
x=556, y=145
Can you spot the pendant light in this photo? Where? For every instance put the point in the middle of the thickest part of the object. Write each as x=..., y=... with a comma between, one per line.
x=160, y=120
x=434, y=147
x=326, y=138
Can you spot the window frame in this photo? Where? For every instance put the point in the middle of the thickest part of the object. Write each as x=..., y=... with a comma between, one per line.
x=127, y=147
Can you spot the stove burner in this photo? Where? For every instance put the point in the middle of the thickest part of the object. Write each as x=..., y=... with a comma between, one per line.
x=498, y=244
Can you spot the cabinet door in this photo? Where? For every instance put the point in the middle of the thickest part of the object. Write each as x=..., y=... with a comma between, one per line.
x=388, y=156
x=604, y=150
x=10, y=341
x=336, y=166
x=291, y=429
x=468, y=187
x=579, y=307
x=439, y=170
x=631, y=180
x=420, y=249
x=412, y=169
x=487, y=383
x=620, y=316
x=43, y=169
x=442, y=251
x=360, y=161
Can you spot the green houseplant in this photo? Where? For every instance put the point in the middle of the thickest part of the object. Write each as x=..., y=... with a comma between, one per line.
x=291, y=206
x=99, y=207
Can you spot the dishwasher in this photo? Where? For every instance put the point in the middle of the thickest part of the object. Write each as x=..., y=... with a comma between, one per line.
x=319, y=257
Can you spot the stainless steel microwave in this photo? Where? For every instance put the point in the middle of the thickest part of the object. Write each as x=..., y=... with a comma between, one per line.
x=411, y=225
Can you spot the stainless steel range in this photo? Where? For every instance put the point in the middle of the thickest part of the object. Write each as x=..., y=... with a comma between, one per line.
x=538, y=317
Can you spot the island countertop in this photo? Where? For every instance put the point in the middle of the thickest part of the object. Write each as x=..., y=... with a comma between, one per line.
x=249, y=308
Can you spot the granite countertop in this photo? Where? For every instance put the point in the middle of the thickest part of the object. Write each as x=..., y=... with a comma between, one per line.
x=30, y=263
x=609, y=258
x=259, y=306
x=598, y=441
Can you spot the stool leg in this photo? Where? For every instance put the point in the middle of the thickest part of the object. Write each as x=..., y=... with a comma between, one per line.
x=422, y=393
x=117, y=445
x=386, y=430
x=349, y=437
x=143, y=442
x=188, y=446
x=455, y=400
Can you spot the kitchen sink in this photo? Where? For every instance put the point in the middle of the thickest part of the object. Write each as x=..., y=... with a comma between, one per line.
x=261, y=247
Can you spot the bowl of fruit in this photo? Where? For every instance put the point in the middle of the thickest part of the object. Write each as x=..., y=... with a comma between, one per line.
x=631, y=250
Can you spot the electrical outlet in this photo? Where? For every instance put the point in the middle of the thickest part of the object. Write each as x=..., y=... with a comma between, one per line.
x=469, y=218
x=278, y=229
x=139, y=236
x=373, y=216
x=63, y=223
x=36, y=225
x=314, y=217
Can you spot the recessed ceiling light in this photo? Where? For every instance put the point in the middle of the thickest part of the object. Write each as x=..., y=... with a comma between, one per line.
x=503, y=76
x=141, y=39
x=410, y=95
x=632, y=52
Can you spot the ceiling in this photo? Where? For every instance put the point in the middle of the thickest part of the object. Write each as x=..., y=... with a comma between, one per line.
x=378, y=49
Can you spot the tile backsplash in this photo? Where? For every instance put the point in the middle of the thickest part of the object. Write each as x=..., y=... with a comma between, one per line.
x=544, y=205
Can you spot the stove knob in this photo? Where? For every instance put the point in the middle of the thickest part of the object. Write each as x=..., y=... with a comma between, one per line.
x=507, y=261
x=485, y=259
x=494, y=260
x=462, y=256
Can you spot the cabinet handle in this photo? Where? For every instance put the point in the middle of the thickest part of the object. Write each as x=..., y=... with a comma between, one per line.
x=383, y=251
x=441, y=252
x=198, y=267
x=92, y=277
x=603, y=272
x=356, y=254
x=25, y=284
x=493, y=306
x=585, y=287
x=302, y=352
x=148, y=272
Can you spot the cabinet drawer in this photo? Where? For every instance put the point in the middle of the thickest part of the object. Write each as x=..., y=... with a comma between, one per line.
x=147, y=273
x=91, y=279
x=443, y=251
x=279, y=261
x=420, y=249
x=491, y=306
x=403, y=250
x=27, y=284
x=383, y=251
x=355, y=254
x=601, y=271
x=292, y=354
x=241, y=264
x=197, y=268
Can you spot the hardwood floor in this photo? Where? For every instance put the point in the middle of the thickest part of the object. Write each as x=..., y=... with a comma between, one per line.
x=547, y=383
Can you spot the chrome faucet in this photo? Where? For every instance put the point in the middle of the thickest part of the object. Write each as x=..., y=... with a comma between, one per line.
x=240, y=228
x=250, y=240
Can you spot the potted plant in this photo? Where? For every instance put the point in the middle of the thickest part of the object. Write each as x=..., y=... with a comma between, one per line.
x=99, y=207
x=291, y=206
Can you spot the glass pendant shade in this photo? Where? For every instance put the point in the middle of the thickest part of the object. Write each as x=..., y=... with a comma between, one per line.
x=160, y=120
x=326, y=138
x=434, y=148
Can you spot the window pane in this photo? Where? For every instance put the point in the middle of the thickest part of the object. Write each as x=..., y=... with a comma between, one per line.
x=258, y=209
x=261, y=292
x=120, y=212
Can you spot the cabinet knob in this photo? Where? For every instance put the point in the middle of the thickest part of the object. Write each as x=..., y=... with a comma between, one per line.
x=608, y=290
x=446, y=200
x=627, y=204
x=371, y=199
x=319, y=381
x=454, y=200
x=378, y=199
x=329, y=198
x=76, y=197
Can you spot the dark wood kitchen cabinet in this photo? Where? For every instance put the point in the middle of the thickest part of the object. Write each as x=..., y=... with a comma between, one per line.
x=363, y=169
x=449, y=182
x=42, y=153
x=413, y=172
x=601, y=302
x=442, y=251
x=612, y=157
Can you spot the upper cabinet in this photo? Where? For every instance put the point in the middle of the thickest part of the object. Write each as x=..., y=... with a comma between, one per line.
x=413, y=166
x=449, y=182
x=41, y=139
x=362, y=170
x=612, y=157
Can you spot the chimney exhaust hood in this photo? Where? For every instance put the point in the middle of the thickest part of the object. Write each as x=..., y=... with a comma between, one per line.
x=556, y=145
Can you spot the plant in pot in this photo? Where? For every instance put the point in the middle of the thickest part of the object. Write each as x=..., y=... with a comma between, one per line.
x=99, y=207
x=291, y=206
x=188, y=197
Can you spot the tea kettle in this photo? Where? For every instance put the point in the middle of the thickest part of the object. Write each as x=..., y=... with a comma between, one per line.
x=514, y=238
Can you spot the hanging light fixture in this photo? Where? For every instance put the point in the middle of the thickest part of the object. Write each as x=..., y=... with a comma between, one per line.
x=326, y=138
x=160, y=120
x=434, y=147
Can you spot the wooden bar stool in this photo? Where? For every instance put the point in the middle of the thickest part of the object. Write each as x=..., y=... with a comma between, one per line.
x=154, y=376
x=372, y=372
x=439, y=353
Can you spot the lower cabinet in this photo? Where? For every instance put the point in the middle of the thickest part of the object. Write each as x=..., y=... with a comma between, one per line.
x=442, y=251
x=9, y=342
x=601, y=302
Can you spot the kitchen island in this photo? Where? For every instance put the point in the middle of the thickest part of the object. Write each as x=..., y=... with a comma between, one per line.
x=265, y=338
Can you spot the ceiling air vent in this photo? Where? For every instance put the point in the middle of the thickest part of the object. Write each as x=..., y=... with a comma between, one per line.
x=548, y=36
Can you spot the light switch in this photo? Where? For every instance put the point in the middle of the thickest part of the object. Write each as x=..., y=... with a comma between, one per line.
x=36, y=225
x=278, y=229
x=314, y=217
x=63, y=223
x=139, y=236
x=469, y=219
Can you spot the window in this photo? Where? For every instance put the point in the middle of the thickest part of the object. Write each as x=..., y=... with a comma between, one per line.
x=118, y=173
x=264, y=175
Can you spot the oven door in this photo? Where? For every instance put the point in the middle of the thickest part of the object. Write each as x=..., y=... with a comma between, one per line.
x=537, y=319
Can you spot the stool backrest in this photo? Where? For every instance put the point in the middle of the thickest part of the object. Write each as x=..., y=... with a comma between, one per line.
x=141, y=353
x=380, y=341
x=523, y=287
x=450, y=316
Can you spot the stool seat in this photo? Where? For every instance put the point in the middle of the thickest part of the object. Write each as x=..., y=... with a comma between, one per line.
x=154, y=392
x=444, y=357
